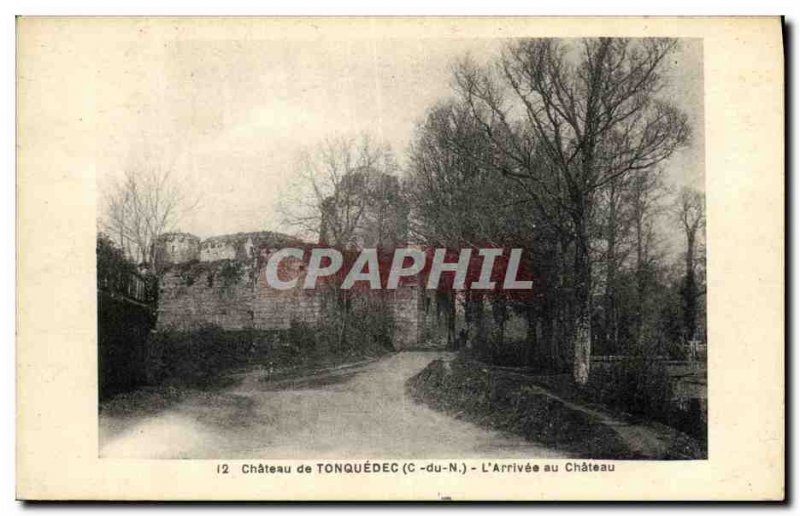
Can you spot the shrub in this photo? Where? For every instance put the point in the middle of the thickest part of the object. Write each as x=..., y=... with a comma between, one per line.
x=637, y=385
x=203, y=357
x=368, y=325
x=371, y=327
x=196, y=357
x=231, y=272
x=498, y=400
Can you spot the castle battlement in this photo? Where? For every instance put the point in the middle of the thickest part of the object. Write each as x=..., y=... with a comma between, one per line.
x=178, y=248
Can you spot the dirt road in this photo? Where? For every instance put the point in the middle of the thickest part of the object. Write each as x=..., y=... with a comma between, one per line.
x=360, y=412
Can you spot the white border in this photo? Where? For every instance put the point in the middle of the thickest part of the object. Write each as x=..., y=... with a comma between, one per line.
x=297, y=7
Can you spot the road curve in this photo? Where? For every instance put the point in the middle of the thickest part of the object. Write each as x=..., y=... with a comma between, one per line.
x=350, y=413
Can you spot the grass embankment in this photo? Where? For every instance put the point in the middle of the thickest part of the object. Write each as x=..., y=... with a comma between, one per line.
x=505, y=401
x=206, y=357
x=202, y=363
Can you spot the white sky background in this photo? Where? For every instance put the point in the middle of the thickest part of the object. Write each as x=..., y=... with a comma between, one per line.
x=230, y=117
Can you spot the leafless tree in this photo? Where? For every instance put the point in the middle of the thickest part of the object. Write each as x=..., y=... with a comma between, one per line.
x=143, y=205
x=568, y=119
x=341, y=197
x=457, y=200
x=645, y=198
x=691, y=213
x=334, y=189
x=455, y=194
x=614, y=226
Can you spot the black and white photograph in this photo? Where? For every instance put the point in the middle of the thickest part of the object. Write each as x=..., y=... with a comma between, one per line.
x=403, y=248
x=400, y=258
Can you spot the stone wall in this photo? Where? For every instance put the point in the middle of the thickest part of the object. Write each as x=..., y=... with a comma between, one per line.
x=227, y=288
x=197, y=294
x=223, y=294
x=175, y=248
x=404, y=303
x=212, y=250
x=277, y=309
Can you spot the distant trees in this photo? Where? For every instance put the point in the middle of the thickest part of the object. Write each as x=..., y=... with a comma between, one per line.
x=140, y=207
x=567, y=120
x=342, y=192
x=557, y=147
x=691, y=213
x=644, y=197
x=457, y=200
x=111, y=261
x=348, y=196
x=451, y=183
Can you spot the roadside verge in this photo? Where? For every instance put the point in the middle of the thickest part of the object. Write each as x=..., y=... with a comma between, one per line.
x=502, y=400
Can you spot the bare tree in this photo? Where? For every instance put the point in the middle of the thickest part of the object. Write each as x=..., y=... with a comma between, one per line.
x=336, y=187
x=454, y=192
x=644, y=204
x=614, y=225
x=691, y=213
x=569, y=119
x=342, y=197
x=140, y=207
x=457, y=201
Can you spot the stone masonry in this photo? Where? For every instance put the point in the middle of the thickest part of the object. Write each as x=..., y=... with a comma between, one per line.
x=221, y=281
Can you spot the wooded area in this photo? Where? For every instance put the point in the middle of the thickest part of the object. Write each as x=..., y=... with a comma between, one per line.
x=558, y=147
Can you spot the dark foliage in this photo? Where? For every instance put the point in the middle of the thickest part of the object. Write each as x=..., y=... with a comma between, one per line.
x=206, y=357
x=643, y=387
x=512, y=402
x=637, y=385
x=489, y=397
x=110, y=258
x=125, y=316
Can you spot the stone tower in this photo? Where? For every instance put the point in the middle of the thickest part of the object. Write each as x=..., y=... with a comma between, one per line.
x=175, y=248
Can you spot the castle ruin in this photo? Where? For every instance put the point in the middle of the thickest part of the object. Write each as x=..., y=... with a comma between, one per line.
x=221, y=281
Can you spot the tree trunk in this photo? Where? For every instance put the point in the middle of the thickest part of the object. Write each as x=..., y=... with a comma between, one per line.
x=451, y=320
x=562, y=335
x=609, y=311
x=690, y=289
x=532, y=351
x=477, y=334
x=344, y=314
x=499, y=311
x=640, y=287
x=582, y=343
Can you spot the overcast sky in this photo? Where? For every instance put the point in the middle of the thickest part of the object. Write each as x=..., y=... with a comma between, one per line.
x=230, y=117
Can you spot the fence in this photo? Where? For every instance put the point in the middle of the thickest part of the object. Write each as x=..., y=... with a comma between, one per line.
x=125, y=316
